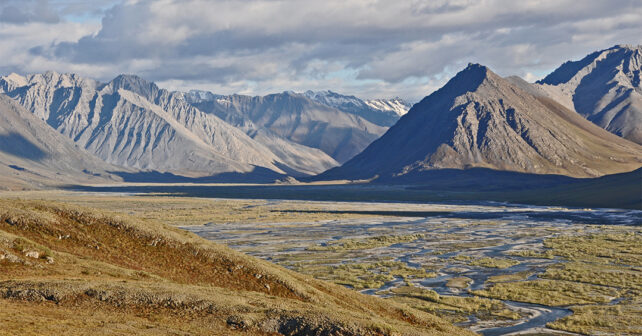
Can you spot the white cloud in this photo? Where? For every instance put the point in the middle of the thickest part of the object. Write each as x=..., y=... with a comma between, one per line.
x=364, y=47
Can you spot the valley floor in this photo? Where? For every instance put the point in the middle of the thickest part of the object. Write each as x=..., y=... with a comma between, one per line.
x=492, y=268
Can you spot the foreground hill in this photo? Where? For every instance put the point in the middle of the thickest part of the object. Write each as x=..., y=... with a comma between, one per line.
x=296, y=118
x=33, y=154
x=479, y=119
x=76, y=271
x=604, y=87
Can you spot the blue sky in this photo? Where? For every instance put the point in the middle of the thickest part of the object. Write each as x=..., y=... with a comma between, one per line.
x=369, y=48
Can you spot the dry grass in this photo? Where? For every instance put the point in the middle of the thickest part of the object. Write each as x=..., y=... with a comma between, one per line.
x=169, y=281
x=550, y=292
x=454, y=308
x=459, y=282
x=621, y=319
x=187, y=211
x=494, y=262
x=365, y=243
x=363, y=275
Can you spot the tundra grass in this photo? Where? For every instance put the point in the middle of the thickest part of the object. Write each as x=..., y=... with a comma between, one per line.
x=551, y=292
x=494, y=262
x=365, y=243
x=620, y=319
x=548, y=254
x=510, y=277
x=600, y=264
x=364, y=275
x=459, y=282
x=455, y=308
x=144, y=277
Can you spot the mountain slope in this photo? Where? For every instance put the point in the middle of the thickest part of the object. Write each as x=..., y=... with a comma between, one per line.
x=479, y=119
x=32, y=153
x=604, y=87
x=379, y=112
x=298, y=119
x=133, y=123
x=77, y=270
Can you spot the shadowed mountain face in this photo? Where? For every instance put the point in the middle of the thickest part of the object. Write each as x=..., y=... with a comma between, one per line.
x=479, y=119
x=298, y=119
x=604, y=87
x=17, y=145
x=32, y=152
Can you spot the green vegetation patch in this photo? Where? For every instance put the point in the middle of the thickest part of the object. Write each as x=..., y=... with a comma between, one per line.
x=598, y=274
x=548, y=254
x=494, y=262
x=551, y=292
x=619, y=247
x=365, y=243
x=621, y=319
x=454, y=308
x=510, y=277
x=459, y=282
x=363, y=275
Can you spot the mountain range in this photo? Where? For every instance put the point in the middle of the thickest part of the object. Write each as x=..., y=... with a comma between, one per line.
x=130, y=127
x=339, y=131
x=481, y=120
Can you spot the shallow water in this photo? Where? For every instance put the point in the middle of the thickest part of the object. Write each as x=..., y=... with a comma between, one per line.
x=470, y=231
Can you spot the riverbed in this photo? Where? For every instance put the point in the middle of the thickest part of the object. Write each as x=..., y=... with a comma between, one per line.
x=452, y=250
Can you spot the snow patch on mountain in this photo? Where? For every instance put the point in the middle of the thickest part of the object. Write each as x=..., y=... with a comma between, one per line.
x=396, y=105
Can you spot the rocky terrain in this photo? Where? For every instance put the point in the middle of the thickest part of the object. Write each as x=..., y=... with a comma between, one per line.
x=479, y=119
x=604, y=87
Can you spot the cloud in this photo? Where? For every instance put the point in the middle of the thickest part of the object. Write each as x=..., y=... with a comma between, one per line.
x=364, y=47
x=24, y=11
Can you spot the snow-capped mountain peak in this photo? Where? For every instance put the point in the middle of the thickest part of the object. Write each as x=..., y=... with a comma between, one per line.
x=396, y=105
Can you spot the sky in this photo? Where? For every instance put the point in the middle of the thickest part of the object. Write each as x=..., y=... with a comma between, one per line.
x=367, y=48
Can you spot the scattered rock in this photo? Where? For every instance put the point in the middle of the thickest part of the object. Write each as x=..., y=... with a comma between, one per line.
x=49, y=260
x=33, y=254
x=238, y=322
x=13, y=259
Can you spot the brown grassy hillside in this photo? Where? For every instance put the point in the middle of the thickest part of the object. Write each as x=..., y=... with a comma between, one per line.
x=79, y=271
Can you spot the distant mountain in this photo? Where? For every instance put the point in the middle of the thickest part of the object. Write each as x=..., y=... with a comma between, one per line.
x=295, y=118
x=396, y=105
x=380, y=112
x=33, y=154
x=479, y=119
x=604, y=87
x=131, y=122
